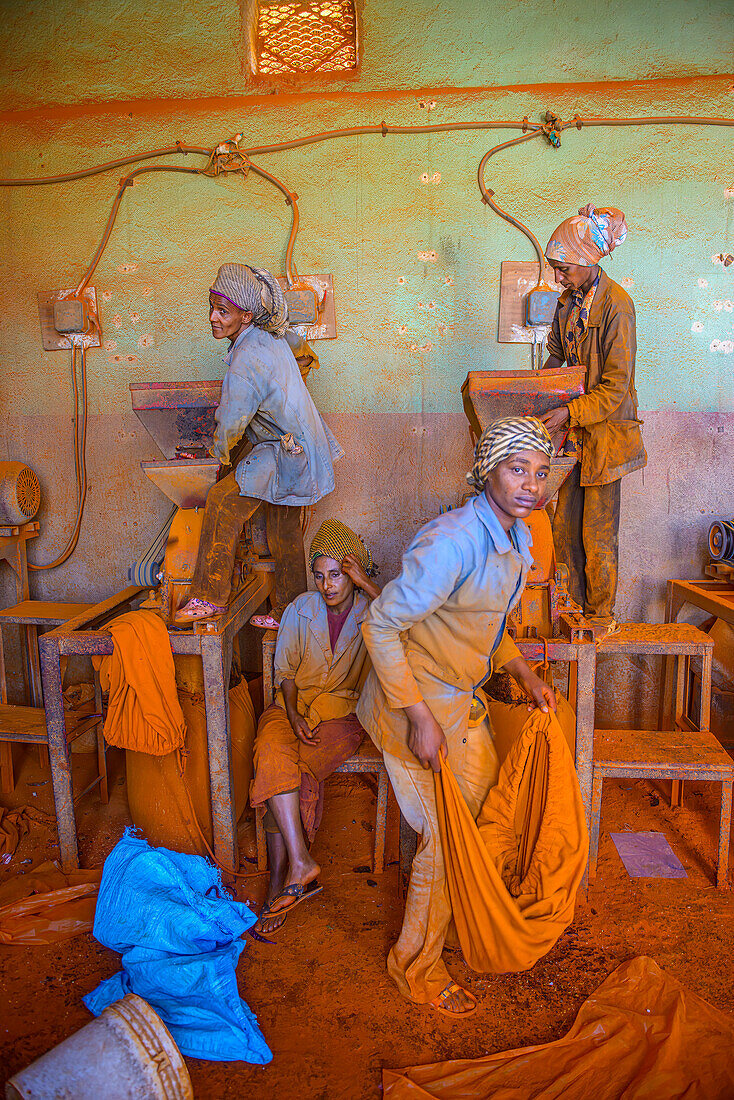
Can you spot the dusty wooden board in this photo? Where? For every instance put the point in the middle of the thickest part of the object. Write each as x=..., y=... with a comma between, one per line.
x=324, y=287
x=41, y=613
x=517, y=279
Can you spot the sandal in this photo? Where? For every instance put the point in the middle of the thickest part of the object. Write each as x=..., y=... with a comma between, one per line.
x=266, y=912
x=265, y=622
x=295, y=893
x=196, y=610
x=439, y=1001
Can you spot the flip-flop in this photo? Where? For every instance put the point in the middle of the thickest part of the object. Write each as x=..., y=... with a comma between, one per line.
x=196, y=611
x=297, y=892
x=266, y=912
x=451, y=988
x=265, y=622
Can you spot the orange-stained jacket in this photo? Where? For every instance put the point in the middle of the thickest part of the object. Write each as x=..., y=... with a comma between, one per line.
x=328, y=683
x=607, y=413
x=439, y=628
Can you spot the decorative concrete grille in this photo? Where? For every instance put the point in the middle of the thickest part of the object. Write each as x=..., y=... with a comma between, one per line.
x=301, y=38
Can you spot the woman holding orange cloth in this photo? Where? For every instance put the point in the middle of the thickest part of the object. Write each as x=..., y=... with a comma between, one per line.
x=435, y=634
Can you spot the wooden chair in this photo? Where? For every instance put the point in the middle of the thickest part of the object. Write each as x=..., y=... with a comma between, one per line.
x=366, y=760
x=684, y=750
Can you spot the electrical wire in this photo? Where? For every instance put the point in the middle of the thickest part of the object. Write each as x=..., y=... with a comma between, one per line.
x=124, y=184
x=551, y=129
x=80, y=457
x=107, y=167
x=487, y=196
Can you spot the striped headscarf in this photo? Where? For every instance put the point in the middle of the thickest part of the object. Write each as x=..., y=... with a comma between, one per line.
x=585, y=238
x=504, y=438
x=257, y=292
x=335, y=540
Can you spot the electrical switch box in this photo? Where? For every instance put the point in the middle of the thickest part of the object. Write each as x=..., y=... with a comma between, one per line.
x=311, y=309
x=64, y=315
x=71, y=315
x=302, y=306
x=541, y=305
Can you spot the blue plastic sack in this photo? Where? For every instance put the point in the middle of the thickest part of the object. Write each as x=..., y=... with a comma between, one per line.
x=179, y=934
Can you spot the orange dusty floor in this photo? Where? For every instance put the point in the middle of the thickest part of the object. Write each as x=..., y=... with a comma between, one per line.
x=322, y=996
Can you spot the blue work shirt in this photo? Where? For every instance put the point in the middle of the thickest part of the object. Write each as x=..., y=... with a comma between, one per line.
x=265, y=398
x=439, y=628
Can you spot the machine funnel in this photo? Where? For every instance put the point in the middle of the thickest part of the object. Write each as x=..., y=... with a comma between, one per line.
x=179, y=417
x=489, y=395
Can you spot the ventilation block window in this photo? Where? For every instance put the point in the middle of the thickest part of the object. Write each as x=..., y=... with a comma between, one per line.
x=299, y=38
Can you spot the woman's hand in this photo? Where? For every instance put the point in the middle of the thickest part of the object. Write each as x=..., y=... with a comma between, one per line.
x=302, y=730
x=426, y=739
x=543, y=696
x=356, y=573
x=556, y=419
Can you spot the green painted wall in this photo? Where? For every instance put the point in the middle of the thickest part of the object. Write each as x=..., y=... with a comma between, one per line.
x=83, y=83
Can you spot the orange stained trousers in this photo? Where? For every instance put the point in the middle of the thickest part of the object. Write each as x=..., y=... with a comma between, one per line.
x=415, y=962
x=283, y=763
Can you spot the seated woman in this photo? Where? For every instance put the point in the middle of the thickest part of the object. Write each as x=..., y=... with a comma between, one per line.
x=321, y=664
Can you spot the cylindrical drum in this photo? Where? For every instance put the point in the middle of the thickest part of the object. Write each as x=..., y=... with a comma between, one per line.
x=20, y=493
x=125, y=1054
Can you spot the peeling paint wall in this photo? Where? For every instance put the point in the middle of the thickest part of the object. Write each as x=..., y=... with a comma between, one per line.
x=397, y=220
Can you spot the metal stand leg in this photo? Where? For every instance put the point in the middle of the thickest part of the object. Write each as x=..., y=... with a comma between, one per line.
x=59, y=755
x=215, y=656
x=585, y=718
x=262, y=848
x=722, y=866
x=378, y=862
x=596, y=792
x=101, y=747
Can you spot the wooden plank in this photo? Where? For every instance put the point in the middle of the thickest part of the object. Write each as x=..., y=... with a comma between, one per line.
x=16, y=723
x=97, y=610
x=716, y=597
x=687, y=751
x=656, y=638
x=42, y=613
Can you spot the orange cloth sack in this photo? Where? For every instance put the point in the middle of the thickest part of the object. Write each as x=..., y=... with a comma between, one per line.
x=641, y=1035
x=158, y=794
x=46, y=906
x=513, y=875
x=144, y=712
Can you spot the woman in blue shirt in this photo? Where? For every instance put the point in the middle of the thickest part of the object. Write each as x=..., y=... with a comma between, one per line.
x=290, y=452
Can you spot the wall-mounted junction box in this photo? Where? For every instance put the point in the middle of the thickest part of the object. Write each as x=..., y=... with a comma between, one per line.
x=518, y=282
x=63, y=316
x=311, y=306
x=540, y=305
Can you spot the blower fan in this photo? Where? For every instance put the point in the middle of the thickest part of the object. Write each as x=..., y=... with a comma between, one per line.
x=20, y=493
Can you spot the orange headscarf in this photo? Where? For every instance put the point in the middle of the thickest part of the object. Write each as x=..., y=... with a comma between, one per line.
x=584, y=239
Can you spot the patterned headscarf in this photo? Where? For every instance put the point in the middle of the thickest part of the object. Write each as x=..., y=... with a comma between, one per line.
x=504, y=438
x=584, y=239
x=257, y=292
x=335, y=540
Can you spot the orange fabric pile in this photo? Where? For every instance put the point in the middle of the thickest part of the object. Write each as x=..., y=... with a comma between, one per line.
x=641, y=1035
x=144, y=712
x=513, y=874
x=46, y=906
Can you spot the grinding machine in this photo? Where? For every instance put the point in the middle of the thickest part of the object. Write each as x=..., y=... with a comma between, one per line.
x=179, y=417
